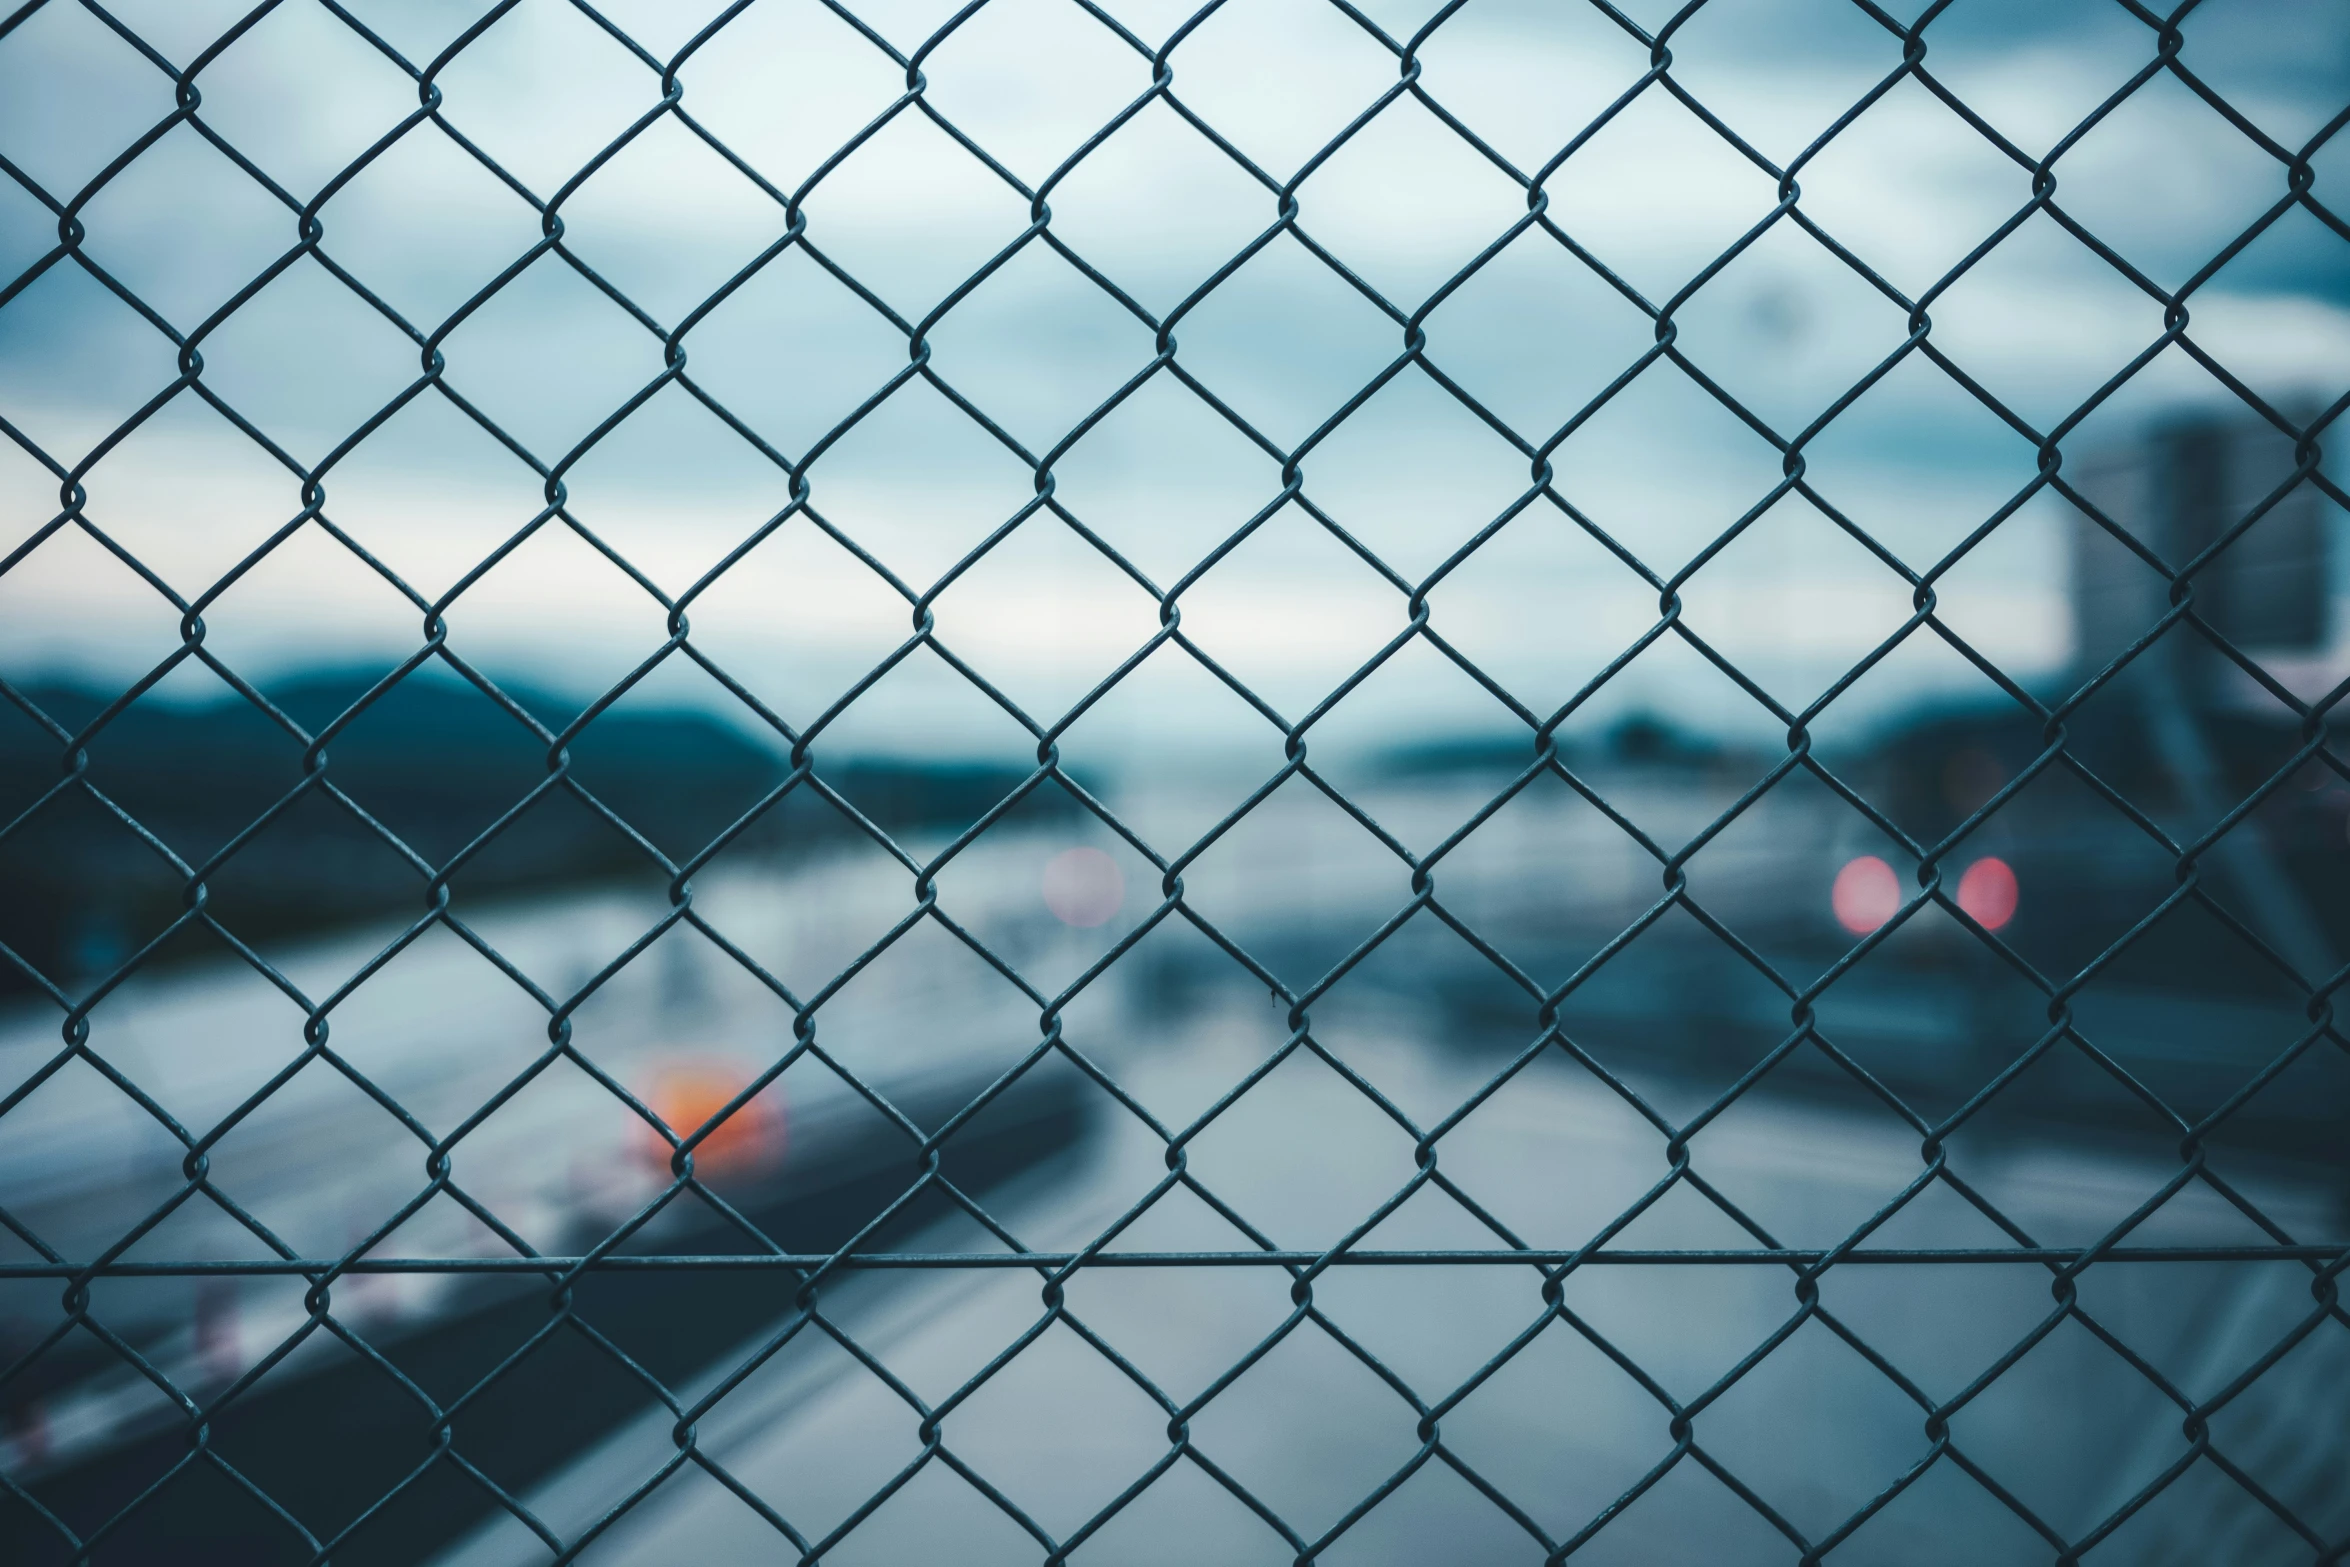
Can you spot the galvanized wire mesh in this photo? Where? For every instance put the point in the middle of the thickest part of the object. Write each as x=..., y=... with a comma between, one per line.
x=1909, y=59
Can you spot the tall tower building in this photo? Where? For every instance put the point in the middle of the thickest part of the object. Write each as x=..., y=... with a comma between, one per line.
x=2220, y=503
x=2278, y=589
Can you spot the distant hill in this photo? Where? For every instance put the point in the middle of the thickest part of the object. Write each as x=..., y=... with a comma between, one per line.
x=433, y=761
x=1636, y=738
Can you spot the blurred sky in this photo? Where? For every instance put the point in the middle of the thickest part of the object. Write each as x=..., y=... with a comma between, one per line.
x=1534, y=335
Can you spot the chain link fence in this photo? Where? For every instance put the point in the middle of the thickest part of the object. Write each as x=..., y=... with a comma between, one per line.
x=673, y=1303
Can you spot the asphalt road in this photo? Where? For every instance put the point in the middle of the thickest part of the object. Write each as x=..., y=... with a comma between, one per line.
x=1310, y=1429
x=1814, y=1429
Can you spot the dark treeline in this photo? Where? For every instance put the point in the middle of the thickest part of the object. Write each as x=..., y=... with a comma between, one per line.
x=436, y=763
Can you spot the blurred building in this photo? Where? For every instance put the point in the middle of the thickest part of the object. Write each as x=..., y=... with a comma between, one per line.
x=2279, y=590
x=2184, y=715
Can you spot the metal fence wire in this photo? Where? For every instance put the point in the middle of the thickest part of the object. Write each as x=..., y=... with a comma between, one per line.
x=800, y=1283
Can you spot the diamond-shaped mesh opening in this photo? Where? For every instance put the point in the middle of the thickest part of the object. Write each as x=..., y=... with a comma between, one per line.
x=1045, y=781
x=1326, y=340
x=69, y=65
x=185, y=228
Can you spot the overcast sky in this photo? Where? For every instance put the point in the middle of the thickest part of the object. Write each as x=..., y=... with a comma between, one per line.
x=1534, y=335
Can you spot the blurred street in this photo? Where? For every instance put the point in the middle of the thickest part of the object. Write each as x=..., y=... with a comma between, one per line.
x=1554, y=1155
x=1815, y=1430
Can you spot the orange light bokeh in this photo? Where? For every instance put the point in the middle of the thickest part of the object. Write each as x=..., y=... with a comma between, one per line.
x=686, y=1094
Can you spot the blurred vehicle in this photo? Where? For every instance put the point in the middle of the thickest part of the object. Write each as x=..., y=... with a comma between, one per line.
x=2183, y=1014
x=551, y=1161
